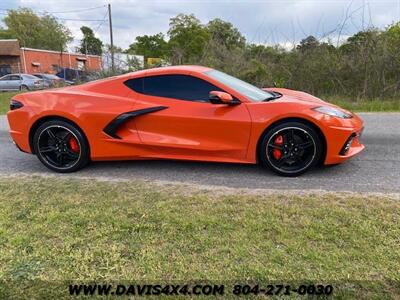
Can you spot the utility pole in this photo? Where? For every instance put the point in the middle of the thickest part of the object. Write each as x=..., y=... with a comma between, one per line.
x=111, y=38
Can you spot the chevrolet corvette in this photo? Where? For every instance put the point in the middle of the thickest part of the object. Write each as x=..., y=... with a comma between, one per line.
x=184, y=113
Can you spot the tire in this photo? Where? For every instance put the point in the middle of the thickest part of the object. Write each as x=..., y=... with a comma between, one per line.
x=61, y=146
x=23, y=88
x=290, y=148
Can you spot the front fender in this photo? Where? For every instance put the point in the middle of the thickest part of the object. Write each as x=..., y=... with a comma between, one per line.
x=264, y=115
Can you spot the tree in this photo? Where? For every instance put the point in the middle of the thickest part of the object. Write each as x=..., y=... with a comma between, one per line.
x=224, y=33
x=308, y=43
x=90, y=44
x=187, y=38
x=365, y=66
x=363, y=37
x=149, y=46
x=116, y=49
x=36, y=32
x=5, y=34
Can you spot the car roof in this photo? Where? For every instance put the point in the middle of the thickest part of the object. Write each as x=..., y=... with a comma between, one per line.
x=17, y=74
x=146, y=72
x=10, y=75
x=168, y=70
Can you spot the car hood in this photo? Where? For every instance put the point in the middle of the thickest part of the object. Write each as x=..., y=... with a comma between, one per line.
x=296, y=96
x=303, y=98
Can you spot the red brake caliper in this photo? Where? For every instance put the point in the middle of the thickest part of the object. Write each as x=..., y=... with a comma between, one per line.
x=276, y=152
x=73, y=144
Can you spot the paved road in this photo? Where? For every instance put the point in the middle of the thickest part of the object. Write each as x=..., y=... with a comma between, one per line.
x=377, y=169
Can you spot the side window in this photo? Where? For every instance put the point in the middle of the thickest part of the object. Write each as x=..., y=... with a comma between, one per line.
x=183, y=87
x=15, y=77
x=8, y=77
x=135, y=84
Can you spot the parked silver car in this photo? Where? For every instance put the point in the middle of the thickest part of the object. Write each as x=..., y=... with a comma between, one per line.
x=50, y=80
x=15, y=82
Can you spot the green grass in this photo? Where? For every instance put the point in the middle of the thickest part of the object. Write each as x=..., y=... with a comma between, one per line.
x=364, y=105
x=54, y=230
x=5, y=98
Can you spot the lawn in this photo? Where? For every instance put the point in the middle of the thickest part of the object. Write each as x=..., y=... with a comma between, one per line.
x=57, y=230
x=364, y=105
x=5, y=98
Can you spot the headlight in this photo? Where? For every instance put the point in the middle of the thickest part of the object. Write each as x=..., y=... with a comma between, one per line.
x=334, y=112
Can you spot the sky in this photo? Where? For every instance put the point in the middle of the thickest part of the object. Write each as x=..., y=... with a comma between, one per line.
x=263, y=22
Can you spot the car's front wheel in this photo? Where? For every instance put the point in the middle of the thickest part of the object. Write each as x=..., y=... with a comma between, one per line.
x=61, y=146
x=290, y=148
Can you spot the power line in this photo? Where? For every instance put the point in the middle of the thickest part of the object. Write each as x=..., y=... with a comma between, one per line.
x=101, y=23
x=77, y=10
x=111, y=37
x=66, y=19
x=86, y=20
x=61, y=12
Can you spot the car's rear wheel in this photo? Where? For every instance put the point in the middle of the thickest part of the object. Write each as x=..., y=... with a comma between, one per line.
x=290, y=148
x=61, y=146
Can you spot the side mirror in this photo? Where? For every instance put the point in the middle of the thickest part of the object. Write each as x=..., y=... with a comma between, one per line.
x=218, y=97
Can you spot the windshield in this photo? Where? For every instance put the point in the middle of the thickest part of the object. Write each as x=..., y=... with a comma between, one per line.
x=246, y=89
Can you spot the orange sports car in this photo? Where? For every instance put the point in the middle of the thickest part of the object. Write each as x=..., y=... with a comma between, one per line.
x=182, y=112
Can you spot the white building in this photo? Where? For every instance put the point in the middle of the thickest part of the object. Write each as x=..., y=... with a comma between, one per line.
x=123, y=61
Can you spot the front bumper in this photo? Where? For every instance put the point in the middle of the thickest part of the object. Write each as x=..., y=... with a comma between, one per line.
x=343, y=142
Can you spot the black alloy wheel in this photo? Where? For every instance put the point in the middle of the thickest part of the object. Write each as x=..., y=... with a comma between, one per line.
x=61, y=146
x=290, y=149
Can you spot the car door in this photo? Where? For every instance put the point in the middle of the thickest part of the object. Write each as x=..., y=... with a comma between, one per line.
x=4, y=83
x=14, y=82
x=188, y=124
